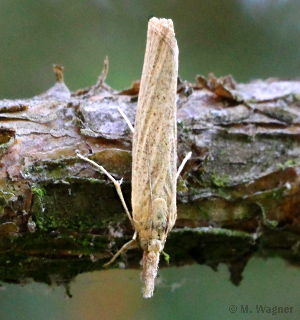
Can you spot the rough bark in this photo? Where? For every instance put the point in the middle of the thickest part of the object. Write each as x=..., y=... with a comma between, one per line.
x=237, y=195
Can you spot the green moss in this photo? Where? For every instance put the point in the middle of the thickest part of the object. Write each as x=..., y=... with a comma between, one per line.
x=289, y=164
x=54, y=242
x=41, y=192
x=295, y=96
x=72, y=256
x=270, y=195
x=203, y=212
x=70, y=207
x=225, y=195
x=208, y=244
x=220, y=180
x=181, y=185
x=219, y=232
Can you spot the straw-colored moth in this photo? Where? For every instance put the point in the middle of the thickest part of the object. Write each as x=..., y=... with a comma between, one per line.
x=154, y=154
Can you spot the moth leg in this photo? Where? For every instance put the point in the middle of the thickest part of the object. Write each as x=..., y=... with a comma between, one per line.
x=185, y=160
x=126, y=119
x=125, y=247
x=116, y=183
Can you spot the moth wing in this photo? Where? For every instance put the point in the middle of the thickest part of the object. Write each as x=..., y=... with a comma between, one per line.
x=155, y=135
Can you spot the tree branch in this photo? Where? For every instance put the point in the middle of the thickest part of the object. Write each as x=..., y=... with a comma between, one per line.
x=236, y=196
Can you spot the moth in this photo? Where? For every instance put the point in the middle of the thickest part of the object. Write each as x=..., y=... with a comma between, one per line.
x=154, y=154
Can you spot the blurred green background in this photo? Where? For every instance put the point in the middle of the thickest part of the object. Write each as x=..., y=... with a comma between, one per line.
x=187, y=293
x=249, y=39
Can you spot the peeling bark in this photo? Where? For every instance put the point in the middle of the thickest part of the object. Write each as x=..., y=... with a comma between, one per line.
x=236, y=196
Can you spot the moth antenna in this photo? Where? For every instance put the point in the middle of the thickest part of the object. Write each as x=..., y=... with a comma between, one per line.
x=149, y=273
x=185, y=160
x=126, y=119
